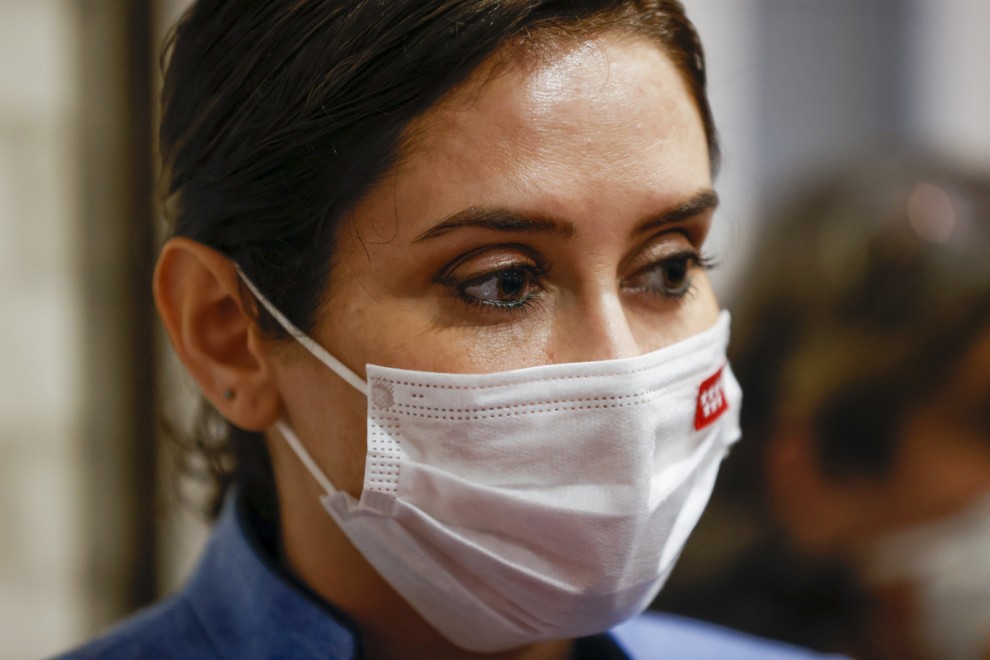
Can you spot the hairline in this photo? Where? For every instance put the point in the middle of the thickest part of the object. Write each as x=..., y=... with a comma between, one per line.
x=536, y=46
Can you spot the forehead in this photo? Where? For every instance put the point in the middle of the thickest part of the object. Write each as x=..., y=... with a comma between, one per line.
x=569, y=132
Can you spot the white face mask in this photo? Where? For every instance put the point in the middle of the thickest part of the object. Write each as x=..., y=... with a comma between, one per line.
x=948, y=564
x=543, y=503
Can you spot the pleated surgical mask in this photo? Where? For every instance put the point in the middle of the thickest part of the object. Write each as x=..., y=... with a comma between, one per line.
x=542, y=503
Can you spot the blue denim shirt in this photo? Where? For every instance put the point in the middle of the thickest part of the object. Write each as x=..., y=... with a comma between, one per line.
x=239, y=605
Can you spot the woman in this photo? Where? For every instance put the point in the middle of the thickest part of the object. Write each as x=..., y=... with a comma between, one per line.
x=438, y=265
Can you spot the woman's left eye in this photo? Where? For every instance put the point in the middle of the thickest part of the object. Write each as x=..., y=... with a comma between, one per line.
x=669, y=277
x=510, y=287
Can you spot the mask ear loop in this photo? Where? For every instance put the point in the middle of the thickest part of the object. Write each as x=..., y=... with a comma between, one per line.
x=320, y=354
x=315, y=349
x=290, y=437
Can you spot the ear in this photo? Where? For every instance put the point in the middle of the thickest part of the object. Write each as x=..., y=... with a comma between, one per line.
x=198, y=295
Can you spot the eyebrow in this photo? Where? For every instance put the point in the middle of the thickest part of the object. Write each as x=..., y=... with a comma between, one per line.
x=509, y=221
x=497, y=219
x=700, y=202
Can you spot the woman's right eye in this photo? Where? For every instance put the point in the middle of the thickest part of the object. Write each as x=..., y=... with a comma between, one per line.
x=507, y=288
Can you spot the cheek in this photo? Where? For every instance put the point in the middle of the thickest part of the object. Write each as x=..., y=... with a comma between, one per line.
x=329, y=417
x=504, y=347
x=415, y=332
x=703, y=306
x=459, y=349
x=410, y=323
x=695, y=313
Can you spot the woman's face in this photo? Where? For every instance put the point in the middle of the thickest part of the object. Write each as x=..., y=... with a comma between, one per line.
x=553, y=212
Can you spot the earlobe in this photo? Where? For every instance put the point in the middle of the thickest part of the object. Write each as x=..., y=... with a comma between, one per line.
x=198, y=295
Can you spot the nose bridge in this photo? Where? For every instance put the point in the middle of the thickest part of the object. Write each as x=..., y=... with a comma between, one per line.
x=595, y=328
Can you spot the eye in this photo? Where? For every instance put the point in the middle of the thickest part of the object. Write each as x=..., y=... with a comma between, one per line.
x=496, y=281
x=670, y=277
x=510, y=287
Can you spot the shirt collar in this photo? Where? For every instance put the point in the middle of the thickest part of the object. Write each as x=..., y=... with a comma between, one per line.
x=249, y=609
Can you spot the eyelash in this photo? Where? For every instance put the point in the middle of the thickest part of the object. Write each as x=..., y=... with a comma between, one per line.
x=537, y=272
x=693, y=260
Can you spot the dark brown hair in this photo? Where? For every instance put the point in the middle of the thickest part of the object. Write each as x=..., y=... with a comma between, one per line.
x=277, y=117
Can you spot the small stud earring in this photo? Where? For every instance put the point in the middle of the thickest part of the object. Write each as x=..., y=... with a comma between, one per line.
x=229, y=394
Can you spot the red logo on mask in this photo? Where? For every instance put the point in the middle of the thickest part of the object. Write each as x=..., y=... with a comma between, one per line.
x=711, y=401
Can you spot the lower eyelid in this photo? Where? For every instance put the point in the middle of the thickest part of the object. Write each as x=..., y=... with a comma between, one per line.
x=688, y=283
x=496, y=313
x=536, y=287
x=694, y=261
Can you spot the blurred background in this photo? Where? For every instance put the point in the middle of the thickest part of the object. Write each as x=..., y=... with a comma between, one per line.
x=91, y=526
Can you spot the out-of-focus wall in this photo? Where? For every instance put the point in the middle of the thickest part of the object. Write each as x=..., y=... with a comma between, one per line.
x=76, y=369
x=729, y=32
x=799, y=86
x=41, y=567
x=948, y=106
x=183, y=528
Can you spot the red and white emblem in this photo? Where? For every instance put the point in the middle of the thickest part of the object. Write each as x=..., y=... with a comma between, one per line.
x=711, y=401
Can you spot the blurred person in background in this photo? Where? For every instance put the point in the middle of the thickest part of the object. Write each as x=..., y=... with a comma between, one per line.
x=863, y=344
x=437, y=268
